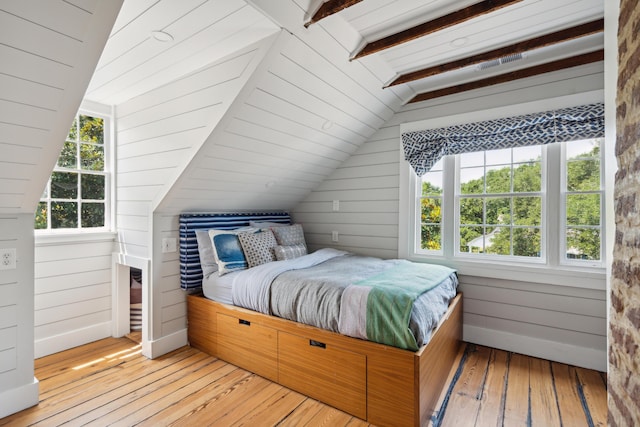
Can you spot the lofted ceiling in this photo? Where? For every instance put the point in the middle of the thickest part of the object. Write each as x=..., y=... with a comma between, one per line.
x=203, y=31
x=456, y=32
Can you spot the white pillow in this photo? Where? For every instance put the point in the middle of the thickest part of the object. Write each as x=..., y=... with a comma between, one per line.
x=208, y=261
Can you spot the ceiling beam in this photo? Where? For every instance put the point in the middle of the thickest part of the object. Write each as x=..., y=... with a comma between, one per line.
x=454, y=18
x=560, y=64
x=535, y=43
x=330, y=7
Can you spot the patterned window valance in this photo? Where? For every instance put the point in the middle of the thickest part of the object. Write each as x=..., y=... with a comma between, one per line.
x=422, y=149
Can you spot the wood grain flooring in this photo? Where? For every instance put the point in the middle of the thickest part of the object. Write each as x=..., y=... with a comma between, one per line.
x=109, y=382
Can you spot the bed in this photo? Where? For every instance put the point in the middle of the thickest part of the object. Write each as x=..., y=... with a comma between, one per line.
x=382, y=383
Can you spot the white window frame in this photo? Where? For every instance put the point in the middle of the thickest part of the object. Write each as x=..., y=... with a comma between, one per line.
x=563, y=210
x=551, y=270
x=105, y=113
x=502, y=258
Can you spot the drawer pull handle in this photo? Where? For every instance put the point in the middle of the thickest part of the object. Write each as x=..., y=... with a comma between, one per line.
x=314, y=343
x=244, y=322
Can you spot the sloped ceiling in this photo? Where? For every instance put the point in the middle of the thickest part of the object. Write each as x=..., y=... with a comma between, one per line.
x=312, y=105
x=137, y=59
x=305, y=111
x=307, y=108
x=48, y=51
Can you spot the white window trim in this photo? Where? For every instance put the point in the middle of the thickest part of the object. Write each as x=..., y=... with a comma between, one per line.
x=554, y=272
x=57, y=239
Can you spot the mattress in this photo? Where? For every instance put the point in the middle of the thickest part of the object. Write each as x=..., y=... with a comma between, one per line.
x=219, y=288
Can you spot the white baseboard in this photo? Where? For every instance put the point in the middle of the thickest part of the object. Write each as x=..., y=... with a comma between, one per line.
x=164, y=345
x=584, y=357
x=75, y=338
x=19, y=398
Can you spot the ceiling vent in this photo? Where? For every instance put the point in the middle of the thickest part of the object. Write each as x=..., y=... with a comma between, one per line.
x=500, y=61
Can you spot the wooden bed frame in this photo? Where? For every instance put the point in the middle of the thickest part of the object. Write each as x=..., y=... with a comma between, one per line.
x=377, y=383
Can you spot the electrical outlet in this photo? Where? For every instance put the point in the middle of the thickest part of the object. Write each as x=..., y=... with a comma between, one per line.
x=334, y=236
x=7, y=258
x=336, y=205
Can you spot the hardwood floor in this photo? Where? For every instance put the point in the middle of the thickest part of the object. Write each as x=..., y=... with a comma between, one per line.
x=110, y=383
x=496, y=388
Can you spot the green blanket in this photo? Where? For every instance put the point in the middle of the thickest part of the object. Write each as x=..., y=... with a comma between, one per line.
x=391, y=298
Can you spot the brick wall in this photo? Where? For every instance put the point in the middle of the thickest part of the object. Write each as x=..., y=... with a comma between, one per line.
x=624, y=338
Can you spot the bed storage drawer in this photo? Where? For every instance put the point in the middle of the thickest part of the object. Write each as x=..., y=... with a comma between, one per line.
x=248, y=345
x=324, y=372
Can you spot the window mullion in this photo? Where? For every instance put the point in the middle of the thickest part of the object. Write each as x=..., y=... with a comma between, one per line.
x=555, y=204
x=449, y=209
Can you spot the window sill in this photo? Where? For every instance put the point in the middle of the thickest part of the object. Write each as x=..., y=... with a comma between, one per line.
x=563, y=275
x=72, y=237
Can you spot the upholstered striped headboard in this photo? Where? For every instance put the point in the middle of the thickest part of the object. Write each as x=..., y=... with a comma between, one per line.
x=190, y=271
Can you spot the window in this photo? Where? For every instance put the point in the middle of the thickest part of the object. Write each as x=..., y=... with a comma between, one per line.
x=582, y=198
x=431, y=209
x=500, y=201
x=76, y=196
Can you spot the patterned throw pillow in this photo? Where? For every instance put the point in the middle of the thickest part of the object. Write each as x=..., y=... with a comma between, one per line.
x=258, y=247
x=289, y=235
x=289, y=252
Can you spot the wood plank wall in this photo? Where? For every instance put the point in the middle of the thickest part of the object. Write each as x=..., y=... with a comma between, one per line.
x=72, y=293
x=367, y=187
x=172, y=302
x=17, y=387
x=48, y=55
x=157, y=135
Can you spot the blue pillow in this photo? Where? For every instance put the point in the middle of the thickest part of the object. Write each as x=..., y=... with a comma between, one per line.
x=227, y=250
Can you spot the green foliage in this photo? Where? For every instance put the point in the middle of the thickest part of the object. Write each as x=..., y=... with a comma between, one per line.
x=583, y=243
x=92, y=157
x=92, y=187
x=430, y=219
x=92, y=215
x=582, y=208
x=64, y=185
x=41, y=216
x=64, y=215
x=91, y=129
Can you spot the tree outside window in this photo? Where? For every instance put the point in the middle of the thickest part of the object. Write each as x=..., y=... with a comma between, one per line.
x=75, y=196
x=431, y=209
x=583, y=200
x=500, y=202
